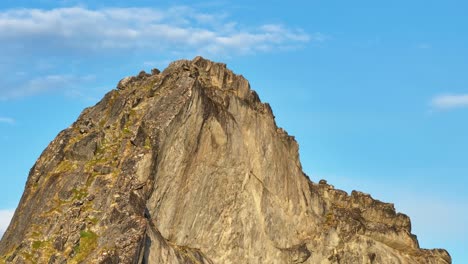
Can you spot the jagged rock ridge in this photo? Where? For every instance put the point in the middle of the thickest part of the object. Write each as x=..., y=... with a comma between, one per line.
x=188, y=166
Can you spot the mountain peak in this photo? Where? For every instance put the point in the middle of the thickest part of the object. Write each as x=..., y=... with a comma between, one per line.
x=187, y=165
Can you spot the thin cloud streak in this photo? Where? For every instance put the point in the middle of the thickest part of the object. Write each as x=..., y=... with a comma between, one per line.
x=41, y=85
x=450, y=101
x=176, y=29
x=7, y=120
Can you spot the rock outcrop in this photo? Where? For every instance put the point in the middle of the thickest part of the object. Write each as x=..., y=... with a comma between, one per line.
x=188, y=166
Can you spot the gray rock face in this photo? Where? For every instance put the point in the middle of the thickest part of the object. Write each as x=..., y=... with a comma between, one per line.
x=188, y=166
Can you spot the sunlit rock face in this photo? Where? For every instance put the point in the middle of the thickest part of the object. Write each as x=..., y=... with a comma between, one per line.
x=188, y=166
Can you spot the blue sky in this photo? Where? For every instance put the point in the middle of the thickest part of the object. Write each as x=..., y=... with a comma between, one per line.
x=376, y=92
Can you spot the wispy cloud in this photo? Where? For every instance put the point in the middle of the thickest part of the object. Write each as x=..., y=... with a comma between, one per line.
x=424, y=46
x=42, y=84
x=5, y=218
x=175, y=29
x=7, y=120
x=449, y=101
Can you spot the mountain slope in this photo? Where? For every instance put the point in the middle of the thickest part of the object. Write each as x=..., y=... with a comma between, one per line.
x=188, y=166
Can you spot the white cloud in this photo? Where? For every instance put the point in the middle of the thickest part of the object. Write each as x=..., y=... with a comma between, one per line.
x=176, y=29
x=7, y=120
x=450, y=101
x=5, y=218
x=36, y=42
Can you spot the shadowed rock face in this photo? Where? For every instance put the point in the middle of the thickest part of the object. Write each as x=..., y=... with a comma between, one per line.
x=188, y=166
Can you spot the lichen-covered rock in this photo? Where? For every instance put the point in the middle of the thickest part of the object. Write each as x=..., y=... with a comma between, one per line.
x=188, y=166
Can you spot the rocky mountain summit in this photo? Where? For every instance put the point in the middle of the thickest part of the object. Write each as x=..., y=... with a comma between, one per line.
x=188, y=166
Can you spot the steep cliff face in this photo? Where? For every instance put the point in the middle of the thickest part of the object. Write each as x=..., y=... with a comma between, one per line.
x=188, y=166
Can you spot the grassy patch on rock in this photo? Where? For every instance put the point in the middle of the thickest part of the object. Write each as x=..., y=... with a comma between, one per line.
x=88, y=242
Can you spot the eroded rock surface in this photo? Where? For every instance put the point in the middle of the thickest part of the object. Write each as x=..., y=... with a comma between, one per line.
x=188, y=166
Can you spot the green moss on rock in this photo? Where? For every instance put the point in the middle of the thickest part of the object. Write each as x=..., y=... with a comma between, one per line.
x=88, y=242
